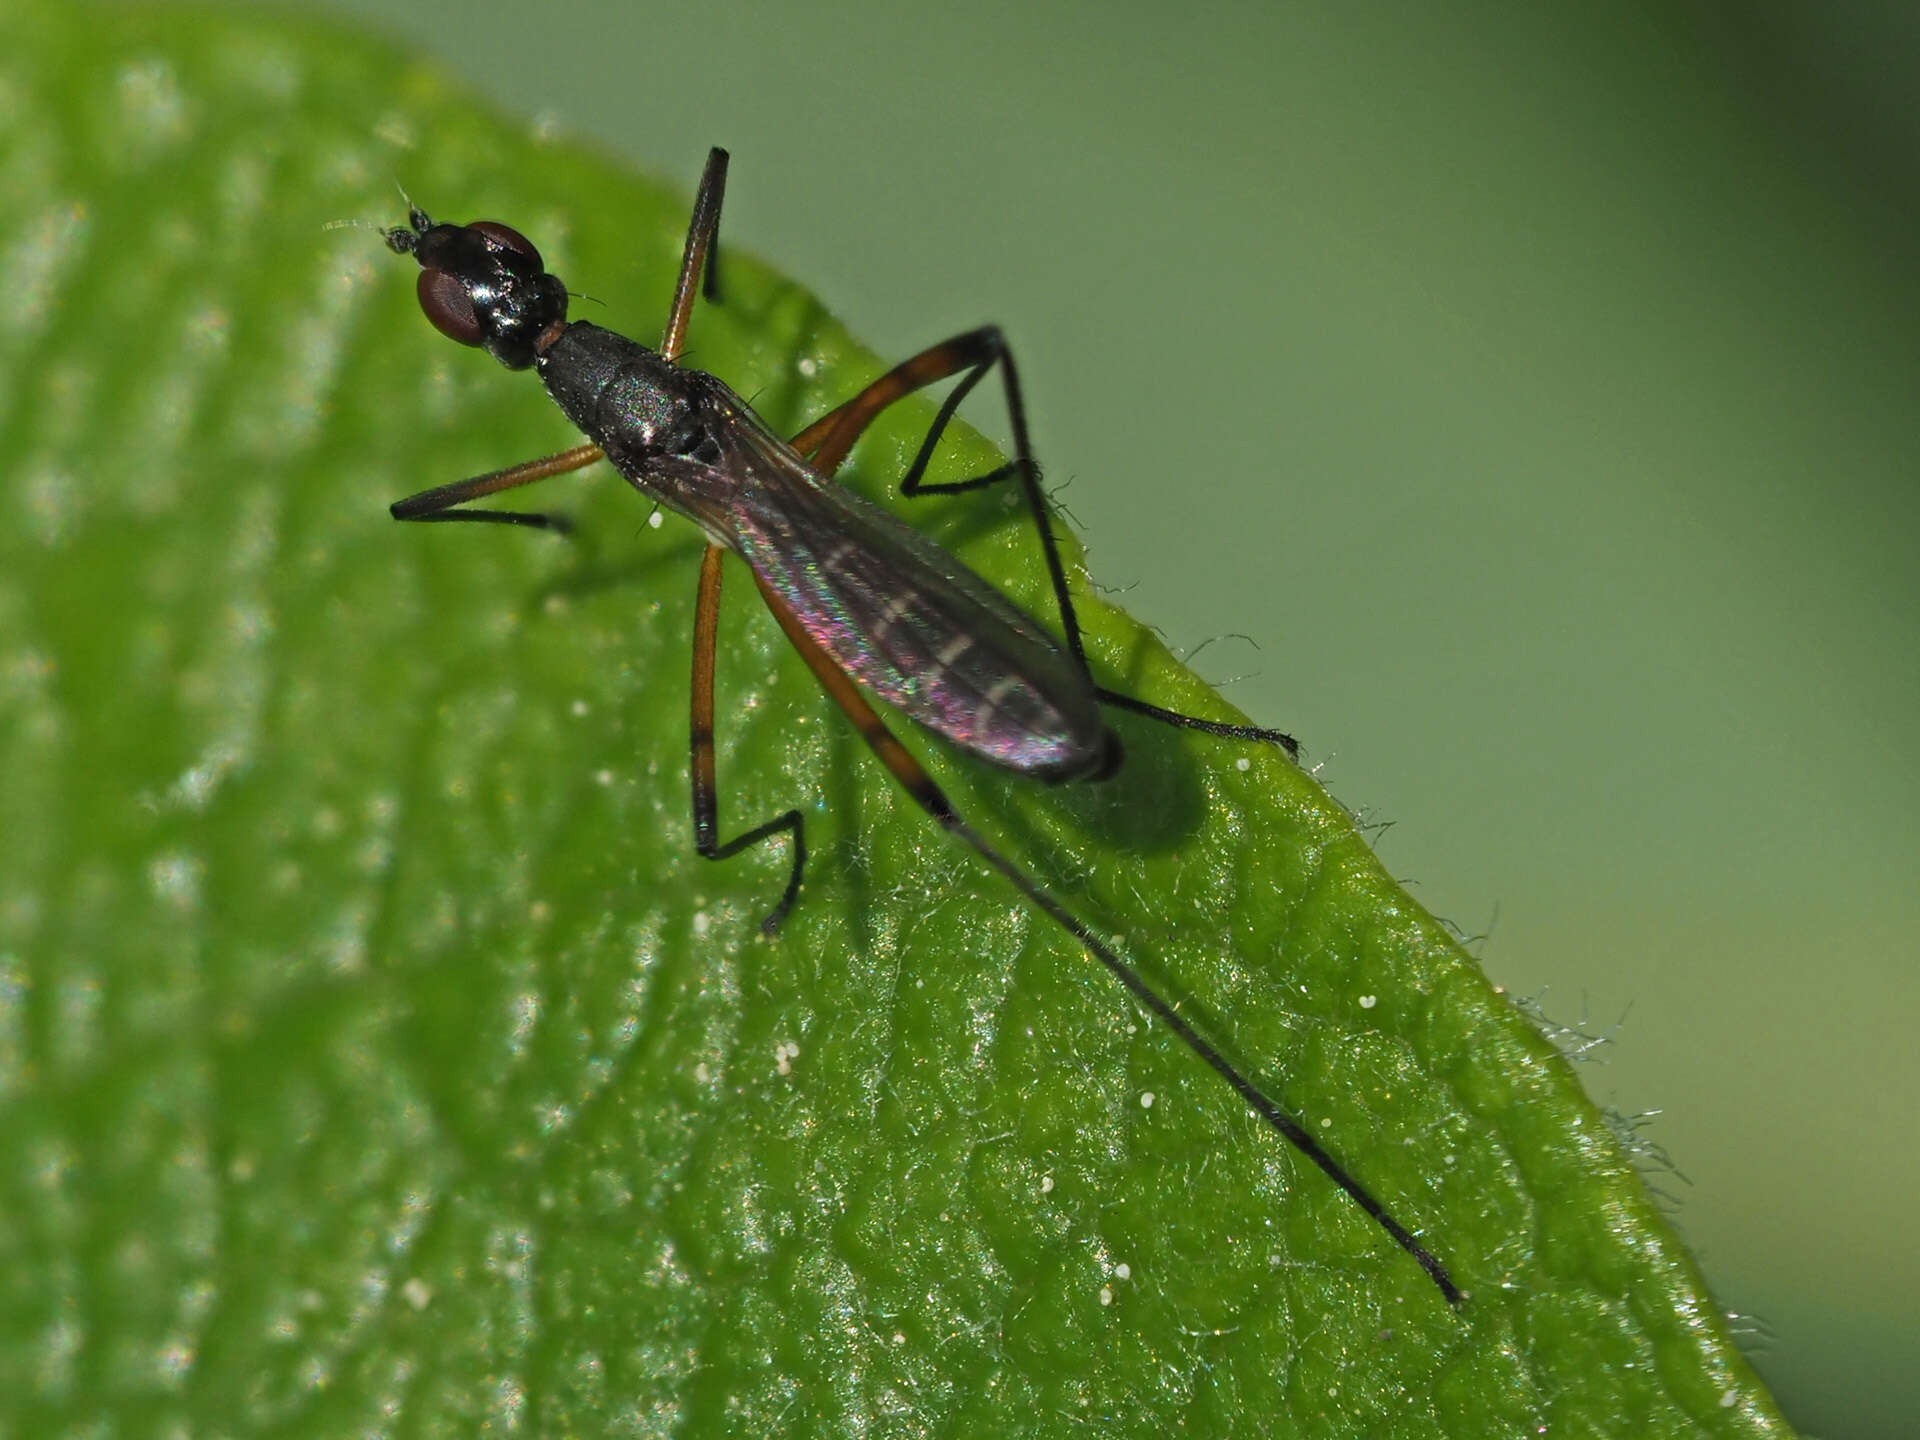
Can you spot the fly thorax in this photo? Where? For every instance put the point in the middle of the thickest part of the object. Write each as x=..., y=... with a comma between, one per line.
x=623, y=395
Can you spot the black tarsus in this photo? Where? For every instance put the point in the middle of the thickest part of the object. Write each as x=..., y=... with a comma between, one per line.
x=439, y=503
x=1256, y=1098
x=791, y=821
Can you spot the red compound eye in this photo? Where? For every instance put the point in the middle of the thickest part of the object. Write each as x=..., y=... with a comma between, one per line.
x=509, y=238
x=447, y=304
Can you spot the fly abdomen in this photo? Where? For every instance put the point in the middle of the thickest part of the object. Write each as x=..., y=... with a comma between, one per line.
x=966, y=686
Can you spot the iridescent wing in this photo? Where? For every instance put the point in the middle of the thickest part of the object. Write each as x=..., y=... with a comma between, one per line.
x=907, y=619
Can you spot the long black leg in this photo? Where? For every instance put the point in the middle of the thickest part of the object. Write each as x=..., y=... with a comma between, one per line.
x=706, y=788
x=438, y=504
x=928, y=795
x=829, y=440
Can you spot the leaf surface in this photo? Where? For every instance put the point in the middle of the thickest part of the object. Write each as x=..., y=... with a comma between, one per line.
x=376, y=1055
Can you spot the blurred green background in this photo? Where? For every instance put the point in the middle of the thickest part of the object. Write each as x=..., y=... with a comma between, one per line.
x=1536, y=387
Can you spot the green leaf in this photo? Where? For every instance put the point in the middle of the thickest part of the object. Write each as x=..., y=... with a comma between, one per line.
x=376, y=1056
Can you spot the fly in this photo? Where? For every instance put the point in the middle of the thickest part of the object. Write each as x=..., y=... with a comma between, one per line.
x=867, y=601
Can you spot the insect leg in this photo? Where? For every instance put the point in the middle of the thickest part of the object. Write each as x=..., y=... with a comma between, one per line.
x=439, y=502
x=706, y=789
x=829, y=439
x=702, y=253
x=928, y=795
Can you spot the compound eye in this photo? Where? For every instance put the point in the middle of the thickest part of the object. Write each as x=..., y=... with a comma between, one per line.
x=449, y=306
x=510, y=239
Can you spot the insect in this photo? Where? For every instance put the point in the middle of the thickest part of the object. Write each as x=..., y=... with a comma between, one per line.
x=868, y=601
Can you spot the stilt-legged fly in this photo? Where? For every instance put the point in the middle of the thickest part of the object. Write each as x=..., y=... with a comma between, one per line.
x=866, y=600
